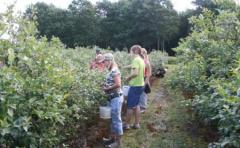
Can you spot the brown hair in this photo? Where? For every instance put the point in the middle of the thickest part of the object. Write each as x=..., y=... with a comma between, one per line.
x=144, y=53
x=137, y=49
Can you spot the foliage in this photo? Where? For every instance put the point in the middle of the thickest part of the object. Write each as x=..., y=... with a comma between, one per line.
x=157, y=61
x=209, y=67
x=41, y=91
x=150, y=23
x=75, y=27
x=122, y=59
x=85, y=23
x=47, y=92
x=213, y=5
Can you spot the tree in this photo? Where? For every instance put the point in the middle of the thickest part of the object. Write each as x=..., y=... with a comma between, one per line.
x=214, y=5
x=52, y=21
x=150, y=23
x=85, y=22
x=156, y=20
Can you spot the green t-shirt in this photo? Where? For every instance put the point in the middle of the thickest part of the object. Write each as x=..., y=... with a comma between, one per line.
x=138, y=63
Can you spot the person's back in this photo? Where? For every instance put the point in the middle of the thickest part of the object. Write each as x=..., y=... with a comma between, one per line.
x=139, y=79
x=136, y=82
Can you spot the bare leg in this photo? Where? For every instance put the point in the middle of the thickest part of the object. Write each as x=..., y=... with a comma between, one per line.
x=118, y=140
x=124, y=106
x=129, y=114
x=137, y=114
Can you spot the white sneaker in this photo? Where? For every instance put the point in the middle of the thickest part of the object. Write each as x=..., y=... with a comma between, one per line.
x=142, y=110
x=113, y=145
x=107, y=141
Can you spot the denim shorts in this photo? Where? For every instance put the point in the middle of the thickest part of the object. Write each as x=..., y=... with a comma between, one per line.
x=116, y=120
x=134, y=96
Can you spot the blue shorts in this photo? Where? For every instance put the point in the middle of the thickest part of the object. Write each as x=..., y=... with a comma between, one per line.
x=134, y=95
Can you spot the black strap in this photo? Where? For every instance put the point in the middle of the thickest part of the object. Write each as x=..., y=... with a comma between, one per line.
x=114, y=95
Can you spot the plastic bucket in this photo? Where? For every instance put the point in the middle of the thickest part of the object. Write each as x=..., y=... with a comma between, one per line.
x=105, y=112
x=125, y=90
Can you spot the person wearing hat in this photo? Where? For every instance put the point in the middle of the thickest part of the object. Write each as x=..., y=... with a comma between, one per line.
x=112, y=88
x=96, y=63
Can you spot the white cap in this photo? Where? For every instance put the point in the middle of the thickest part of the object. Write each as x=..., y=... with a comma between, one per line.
x=108, y=57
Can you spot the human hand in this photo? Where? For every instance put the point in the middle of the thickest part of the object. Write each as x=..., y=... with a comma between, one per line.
x=105, y=88
x=120, y=66
x=127, y=79
x=146, y=82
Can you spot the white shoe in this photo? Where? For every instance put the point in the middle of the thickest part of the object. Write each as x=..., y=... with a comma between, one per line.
x=142, y=110
x=107, y=141
x=113, y=145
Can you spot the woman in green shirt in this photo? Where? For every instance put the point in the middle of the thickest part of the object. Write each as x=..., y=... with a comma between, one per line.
x=136, y=83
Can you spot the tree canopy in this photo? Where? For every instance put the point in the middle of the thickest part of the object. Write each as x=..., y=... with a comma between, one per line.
x=150, y=23
x=154, y=24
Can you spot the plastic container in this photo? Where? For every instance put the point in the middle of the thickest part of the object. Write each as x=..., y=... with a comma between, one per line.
x=125, y=90
x=105, y=112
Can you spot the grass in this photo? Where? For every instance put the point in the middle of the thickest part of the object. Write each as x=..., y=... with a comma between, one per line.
x=166, y=123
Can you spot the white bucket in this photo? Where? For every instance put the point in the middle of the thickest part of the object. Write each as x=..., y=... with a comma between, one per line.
x=105, y=112
x=125, y=90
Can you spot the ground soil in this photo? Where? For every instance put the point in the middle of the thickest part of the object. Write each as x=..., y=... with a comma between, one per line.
x=167, y=123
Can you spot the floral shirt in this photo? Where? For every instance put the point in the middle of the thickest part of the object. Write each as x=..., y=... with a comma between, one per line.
x=110, y=79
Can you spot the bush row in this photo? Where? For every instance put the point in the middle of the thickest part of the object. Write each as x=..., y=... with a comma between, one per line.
x=48, y=94
x=209, y=69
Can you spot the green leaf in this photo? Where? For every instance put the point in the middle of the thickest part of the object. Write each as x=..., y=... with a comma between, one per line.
x=4, y=131
x=25, y=128
x=11, y=56
x=10, y=112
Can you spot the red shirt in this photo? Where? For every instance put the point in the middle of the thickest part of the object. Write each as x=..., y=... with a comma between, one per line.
x=146, y=68
x=98, y=66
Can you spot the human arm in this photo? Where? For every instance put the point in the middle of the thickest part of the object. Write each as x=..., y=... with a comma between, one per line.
x=127, y=66
x=133, y=74
x=149, y=72
x=116, y=85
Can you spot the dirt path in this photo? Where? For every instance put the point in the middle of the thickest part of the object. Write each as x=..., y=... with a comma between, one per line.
x=166, y=123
